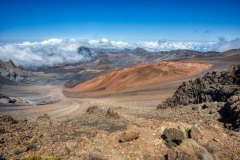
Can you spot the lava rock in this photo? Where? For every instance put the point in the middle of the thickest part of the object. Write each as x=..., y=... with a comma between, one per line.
x=173, y=136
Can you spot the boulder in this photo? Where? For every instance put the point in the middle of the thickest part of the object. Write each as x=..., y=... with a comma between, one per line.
x=130, y=134
x=112, y=114
x=173, y=136
x=189, y=149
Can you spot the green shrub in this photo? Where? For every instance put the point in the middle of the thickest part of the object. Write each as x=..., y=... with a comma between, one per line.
x=19, y=150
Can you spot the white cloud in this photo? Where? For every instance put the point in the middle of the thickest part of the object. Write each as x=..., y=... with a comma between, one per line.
x=224, y=45
x=56, y=51
x=119, y=44
x=51, y=41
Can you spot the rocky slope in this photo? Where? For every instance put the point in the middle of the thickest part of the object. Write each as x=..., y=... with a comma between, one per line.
x=213, y=87
x=170, y=55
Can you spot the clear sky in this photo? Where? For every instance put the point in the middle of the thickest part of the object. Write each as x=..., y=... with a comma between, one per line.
x=127, y=20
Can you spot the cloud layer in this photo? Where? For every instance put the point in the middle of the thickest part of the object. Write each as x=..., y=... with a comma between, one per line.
x=56, y=51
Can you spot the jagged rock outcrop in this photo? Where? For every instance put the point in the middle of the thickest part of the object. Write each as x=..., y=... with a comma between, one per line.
x=215, y=86
x=12, y=72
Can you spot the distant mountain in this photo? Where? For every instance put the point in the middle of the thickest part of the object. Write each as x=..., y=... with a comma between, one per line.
x=140, y=52
x=169, y=55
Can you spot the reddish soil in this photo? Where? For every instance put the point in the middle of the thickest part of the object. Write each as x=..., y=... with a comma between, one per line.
x=137, y=77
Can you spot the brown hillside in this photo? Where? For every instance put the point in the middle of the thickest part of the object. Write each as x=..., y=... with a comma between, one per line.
x=140, y=76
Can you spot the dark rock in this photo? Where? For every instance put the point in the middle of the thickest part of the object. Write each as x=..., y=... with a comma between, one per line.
x=215, y=86
x=196, y=107
x=173, y=136
x=2, y=158
x=230, y=113
x=8, y=119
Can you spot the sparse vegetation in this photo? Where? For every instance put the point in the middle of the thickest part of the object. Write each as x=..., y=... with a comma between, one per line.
x=39, y=157
x=19, y=150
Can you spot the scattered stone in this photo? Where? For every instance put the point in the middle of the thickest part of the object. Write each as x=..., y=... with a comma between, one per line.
x=94, y=156
x=8, y=119
x=111, y=113
x=130, y=134
x=189, y=150
x=196, y=107
x=44, y=117
x=205, y=106
x=161, y=106
x=212, y=112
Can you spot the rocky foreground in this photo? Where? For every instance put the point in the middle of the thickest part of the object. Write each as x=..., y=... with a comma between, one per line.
x=200, y=122
x=120, y=133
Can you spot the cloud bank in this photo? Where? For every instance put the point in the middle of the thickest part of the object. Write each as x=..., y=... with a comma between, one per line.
x=56, y=51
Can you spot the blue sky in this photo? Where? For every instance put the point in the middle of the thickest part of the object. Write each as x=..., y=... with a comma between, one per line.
x=127, y=20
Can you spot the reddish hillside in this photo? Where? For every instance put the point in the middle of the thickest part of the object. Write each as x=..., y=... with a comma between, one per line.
x=140, y=76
